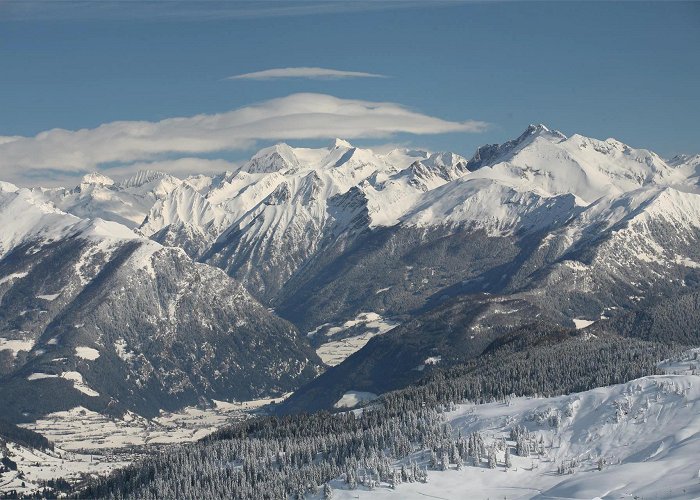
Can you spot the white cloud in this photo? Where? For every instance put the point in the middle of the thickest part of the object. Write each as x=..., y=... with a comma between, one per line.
x=59, y=152
x=304, y=72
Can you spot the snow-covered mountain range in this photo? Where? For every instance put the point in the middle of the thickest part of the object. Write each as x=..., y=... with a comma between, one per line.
x=273, y=215
x=94, y=314
x=96, y=277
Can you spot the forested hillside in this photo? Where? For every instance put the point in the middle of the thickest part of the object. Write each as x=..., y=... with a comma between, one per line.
x=274, y=457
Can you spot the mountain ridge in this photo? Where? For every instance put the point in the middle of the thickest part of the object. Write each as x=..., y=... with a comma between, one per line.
x=574, y=228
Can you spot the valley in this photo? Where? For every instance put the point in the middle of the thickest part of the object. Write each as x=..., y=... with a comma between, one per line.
x=89, y=444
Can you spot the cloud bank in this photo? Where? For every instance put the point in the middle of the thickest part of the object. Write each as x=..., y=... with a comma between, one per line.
x=303, y=72
x=298, y=116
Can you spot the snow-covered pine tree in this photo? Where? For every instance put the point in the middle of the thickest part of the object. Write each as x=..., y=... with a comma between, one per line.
x=327, y=492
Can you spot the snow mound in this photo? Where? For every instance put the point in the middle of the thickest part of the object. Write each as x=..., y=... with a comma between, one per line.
x=49, y=297
x=41, y=376
x=353, y=398
x=582, y=323
x=16, y=345
x=87, y=353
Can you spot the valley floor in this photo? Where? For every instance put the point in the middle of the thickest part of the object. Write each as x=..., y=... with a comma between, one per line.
x=88, y=443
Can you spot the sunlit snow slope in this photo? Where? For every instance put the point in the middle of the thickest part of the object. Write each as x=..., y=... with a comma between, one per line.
x=644, y=436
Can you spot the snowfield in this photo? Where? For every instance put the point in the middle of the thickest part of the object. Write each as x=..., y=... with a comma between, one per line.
x=87, y=353
x=16, y=345
x=341, y=341
x=644, y=435
x=582, y=323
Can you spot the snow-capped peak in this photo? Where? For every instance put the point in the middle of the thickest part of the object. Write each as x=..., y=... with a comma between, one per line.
x=445, y=160
x=287, y=198
x=27, y=216
x=272, y=159
x=339, y=143
x=541, y=129
x=491, y=154
x=684, y=160
x=184, y=205
x=96, y=178
x=142, y=177
x=403, y=157
x=103, y=229
x=546, y=162
x=8, y=187
x=534, y=131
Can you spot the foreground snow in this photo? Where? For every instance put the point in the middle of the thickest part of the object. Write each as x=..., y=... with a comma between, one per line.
x=645, y=435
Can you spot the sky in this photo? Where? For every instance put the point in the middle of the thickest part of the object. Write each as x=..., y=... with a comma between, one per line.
x=187, y=86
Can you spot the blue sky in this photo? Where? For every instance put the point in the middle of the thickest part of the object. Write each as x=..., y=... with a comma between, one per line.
x=627, y=70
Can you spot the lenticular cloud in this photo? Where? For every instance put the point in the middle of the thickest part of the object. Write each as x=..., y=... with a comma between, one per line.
x=312, y=73
x=298, y=116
